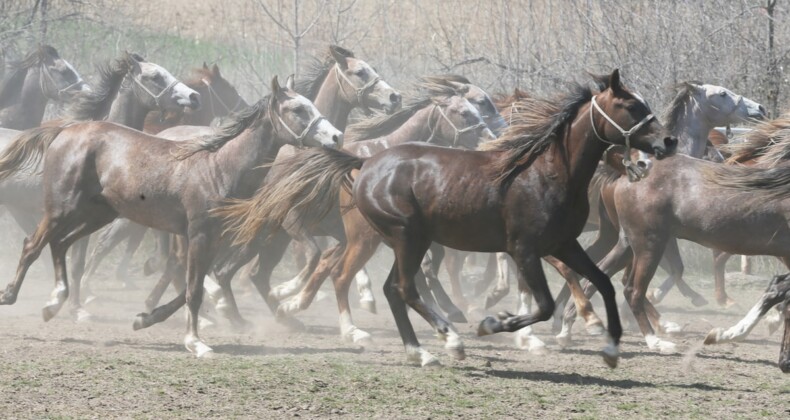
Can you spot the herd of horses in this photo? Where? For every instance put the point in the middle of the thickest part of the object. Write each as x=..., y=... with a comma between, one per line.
x=434, y=174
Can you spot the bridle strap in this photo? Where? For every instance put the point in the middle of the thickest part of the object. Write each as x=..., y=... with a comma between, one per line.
x=634, y=172
x=457, y=131
x=300, y=137
x=156, y=97
x=360, y=92
x=212, y=93
x=45, y=70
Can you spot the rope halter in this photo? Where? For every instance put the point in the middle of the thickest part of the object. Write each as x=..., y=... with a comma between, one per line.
x=634, y=172
x=456, y=130
x=300, y=137
x=360, y=91
x=156, y=97
x=45, y=70
x=212, y=93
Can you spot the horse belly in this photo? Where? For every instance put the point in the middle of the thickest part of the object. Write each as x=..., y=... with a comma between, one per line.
x=761, y=234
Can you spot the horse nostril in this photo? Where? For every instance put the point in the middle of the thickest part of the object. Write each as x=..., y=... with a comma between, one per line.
x=395, y=98
x=762, y=110
x=337, y=139
x=195, y=99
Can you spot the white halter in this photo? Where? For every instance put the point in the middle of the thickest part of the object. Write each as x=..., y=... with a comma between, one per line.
x=300, y=137
x=45, y=70
x=634, y=172
x=458, y=131
x=360, y=91
x=156, y=97
x=212, y=93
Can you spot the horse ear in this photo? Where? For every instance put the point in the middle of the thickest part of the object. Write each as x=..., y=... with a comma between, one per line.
x=693, y=86
x=460, y=88
x=340, y=59
x=289, y=82
x=133, y=62
x=215, y=70
x=614, y=81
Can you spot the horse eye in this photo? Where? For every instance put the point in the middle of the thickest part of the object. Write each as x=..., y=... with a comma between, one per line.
x=722, y=93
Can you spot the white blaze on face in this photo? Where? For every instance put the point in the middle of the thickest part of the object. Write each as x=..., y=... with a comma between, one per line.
x=326, y=134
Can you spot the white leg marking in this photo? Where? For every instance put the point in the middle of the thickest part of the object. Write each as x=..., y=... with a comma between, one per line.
x=525, y=338
x=289, y=288
x=350, y=332
x=419, y=355
x=739, y=331
x=663, y=346
x=366, y=299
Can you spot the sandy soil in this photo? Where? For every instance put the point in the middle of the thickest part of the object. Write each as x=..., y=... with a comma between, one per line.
x=104, y=369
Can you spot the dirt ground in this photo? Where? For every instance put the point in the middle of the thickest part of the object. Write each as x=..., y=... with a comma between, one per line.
x=100, y=369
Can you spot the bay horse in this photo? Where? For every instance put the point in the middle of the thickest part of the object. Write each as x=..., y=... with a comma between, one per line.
x=339, y=83
x=221, y=99
x=32, y=82
x=97, y=171
x=695, y=109
x=526, y=195
x=445, y=118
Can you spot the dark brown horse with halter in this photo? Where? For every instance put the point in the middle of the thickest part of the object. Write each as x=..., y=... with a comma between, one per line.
x=95, y=172
x=220, y=99
x=526, y=195
x=32, y=82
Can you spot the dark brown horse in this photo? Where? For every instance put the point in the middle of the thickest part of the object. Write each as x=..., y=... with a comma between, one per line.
x=95, y=172
x=38, y=78
x=525, y=195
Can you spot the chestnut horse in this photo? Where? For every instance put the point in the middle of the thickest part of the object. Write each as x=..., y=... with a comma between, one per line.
x=97, y=171
x=526, y=195
x=39, y=77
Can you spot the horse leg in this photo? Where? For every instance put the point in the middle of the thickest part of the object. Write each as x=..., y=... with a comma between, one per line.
x=410, y=246
x=581, y=304
x=364, y=287
x=302, y=300
x=672, y=263
x=108, y=239
x=136, y=236
x=746, y=265
x=784, y=352
x=430, y=269
x=489, y=275
x=224, y=300
x=31, y=250
x=156, y=261
x=312, y=252
x=79, y=253
x=454, y=263
x=28, y=221
x=199, y=257
x=647, y=254
x=778, y=290
x=719, y=268
x=525, y=338
x=502, y=285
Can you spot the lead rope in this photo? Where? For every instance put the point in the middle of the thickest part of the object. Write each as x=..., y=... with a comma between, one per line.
x=634, y=172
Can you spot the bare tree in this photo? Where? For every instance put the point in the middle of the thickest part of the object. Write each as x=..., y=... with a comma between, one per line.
x=295, y=33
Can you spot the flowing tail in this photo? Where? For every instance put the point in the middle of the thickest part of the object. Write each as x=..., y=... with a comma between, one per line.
x=308, y=190
x=27, y=150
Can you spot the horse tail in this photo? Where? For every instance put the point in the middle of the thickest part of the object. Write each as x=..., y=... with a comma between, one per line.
x=308, y=190
x=27, y=150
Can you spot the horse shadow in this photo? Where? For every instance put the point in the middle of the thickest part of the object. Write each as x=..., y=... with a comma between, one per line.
x=579, y=379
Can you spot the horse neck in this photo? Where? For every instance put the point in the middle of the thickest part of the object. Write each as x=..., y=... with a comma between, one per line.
x=692, y=130
x=32, y=102
x=127, y=110
x=332, y=103
x=415, y=129
x=577, y=155
x=239, y=163
x=207, y=111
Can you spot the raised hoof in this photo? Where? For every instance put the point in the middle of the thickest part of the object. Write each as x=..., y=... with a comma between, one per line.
x=139, y=322
x=489, y=325
x=7, y=298
x=49, y=311
x=457, y=317
x=368, y=305
x=595, y=328
x=198, y=348
x=655, y=296
x=611, y=355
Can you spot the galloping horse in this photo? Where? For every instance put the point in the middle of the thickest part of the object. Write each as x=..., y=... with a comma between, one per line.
x=97, y=171
x=440, y=117
x=41, y=76
x=222, y=99
x=525, y=195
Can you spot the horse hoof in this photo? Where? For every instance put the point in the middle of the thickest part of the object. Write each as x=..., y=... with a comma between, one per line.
x=368, y=305
x=564, y=340
x=139, y=322
x=698, y=301
x=358, y=337
x=595, y=328
x=454, y=346
x=611, y=355
x=655, y=296
x=457, y=316
x=726, y=303
x=418, y=355
x=81, y=315
x=532, y=344
x=714, y=336
x=7, y=298
x=198, y=348
x=49, y=311
x=667, y=347
x=672, y=328
x=489, y=325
